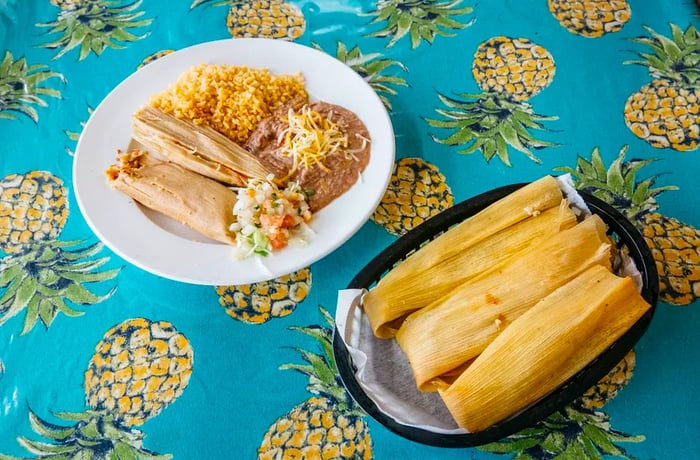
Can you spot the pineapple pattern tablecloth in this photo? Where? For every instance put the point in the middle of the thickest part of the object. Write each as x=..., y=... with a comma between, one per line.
x=99, y=359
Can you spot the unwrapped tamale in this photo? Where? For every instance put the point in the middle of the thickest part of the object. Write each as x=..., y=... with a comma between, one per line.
x=457, y=327
x=196, y=147
x=544, y=347
x=191, y=199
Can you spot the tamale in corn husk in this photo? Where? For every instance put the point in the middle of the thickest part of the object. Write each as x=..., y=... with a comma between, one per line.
x=385, y=304
x=401, y=292
x=544, y=347
x=196, y=147
x=457, y=327
x=191, y=199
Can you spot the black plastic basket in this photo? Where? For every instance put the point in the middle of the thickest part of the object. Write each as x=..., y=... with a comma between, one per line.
x=619, y=228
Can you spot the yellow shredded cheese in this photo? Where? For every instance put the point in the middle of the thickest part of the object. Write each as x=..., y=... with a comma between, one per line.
x=310, y=138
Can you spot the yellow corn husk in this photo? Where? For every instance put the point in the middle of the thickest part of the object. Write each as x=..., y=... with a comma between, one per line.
x=196, y=147
x=440, y=264
x=401, y=292
x=457, y=327
x=185, y=196
x=544, y=347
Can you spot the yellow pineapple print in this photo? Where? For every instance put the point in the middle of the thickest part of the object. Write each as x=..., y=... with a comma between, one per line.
x=315, y=430
x=266, y=19
x=515, y=66
x=666, y=112
x=257, y=303
x=138, y=368
x=665, y=115
x=417, y=191
x=591, y=18
x=154, y=56
x=66, y=4
x=609, y=386
x=328, y=425
x=33, y=207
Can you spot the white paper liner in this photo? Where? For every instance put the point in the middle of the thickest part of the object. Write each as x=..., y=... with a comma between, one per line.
x=383, y=370
x=384, y=374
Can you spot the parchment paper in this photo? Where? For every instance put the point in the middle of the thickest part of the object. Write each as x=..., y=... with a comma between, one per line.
x=383, y=370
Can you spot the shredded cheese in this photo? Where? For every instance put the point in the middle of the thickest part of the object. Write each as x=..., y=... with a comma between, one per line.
x=310, y=138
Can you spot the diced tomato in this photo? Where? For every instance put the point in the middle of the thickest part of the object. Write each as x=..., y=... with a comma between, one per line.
x=287, y=221
x=278, y=241
x=269, y=221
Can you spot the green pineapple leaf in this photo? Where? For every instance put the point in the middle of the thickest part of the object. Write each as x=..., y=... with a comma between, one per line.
x=229, y=3
x=420, y=20
x=617, y=184
x=321, y=368
x=572, y=433
x=490, y=123
x=44, y=275
x=93, y=435
x=95, y=25
x=674, y=58
x=370, y=68
x=19, y=87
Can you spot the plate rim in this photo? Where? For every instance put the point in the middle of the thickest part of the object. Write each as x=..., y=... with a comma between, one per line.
x=294, y=258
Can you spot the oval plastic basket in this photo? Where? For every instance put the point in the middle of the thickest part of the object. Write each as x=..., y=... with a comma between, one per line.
x=620, y=229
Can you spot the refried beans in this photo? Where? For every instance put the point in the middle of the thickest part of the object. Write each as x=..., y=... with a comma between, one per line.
x=343, y=170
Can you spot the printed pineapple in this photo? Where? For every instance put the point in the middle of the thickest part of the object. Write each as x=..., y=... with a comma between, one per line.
x=666, y=112
x=94, y=25
x=138, y=368
x=66, y=4
x=328, y=425
x=40, y=273
x=416, y=192
x=19, y=87
x=419, y=19
x=510, y=71
x=258, y=303
x=33, y=207
x=609, y=386
x=572, y=433
x=591, y=18
x=674, y=245
x=370, y=68
x=265, y=18
x=515, y=66
x=153, y=57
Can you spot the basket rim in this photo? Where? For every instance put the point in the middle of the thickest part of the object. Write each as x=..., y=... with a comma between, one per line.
x=573, y=388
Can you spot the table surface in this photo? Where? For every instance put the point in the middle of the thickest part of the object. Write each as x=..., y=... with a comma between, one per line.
x=480, y=95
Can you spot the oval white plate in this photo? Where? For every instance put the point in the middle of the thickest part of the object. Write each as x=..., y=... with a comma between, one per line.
x=160, y=245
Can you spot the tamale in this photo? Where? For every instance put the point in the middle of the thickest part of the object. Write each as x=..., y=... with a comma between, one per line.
x=191, y=199
x=401, y=291
x=544, y=347
x=196, y=147
x=458, y=326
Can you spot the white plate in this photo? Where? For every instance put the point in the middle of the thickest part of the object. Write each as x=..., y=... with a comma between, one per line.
x=162, y=246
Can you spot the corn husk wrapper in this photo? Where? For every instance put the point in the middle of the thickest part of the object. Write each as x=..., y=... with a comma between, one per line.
x=544, y=347
x=202, y=204
x=393, y=298
x=401, y=292
x=457, y=327
x=196, y=147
